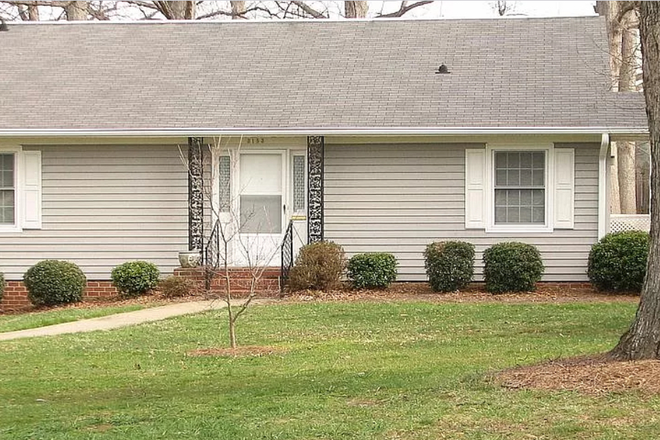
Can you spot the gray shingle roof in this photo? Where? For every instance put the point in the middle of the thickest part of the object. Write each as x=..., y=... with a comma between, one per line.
x=303, y=74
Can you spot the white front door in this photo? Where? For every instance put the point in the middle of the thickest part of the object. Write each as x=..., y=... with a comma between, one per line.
x=261, y=201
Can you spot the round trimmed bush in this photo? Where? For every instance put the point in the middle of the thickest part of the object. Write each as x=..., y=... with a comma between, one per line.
x=318, y=266
x=135, y=277
x=372, y=270
x=512, y=267
x=52, y=282
x=449, y=265
x=618, y=261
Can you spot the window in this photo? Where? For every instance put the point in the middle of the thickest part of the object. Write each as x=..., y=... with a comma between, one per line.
x=519, y=187
x=224, y=178
x=7, y=189
x=299, y=183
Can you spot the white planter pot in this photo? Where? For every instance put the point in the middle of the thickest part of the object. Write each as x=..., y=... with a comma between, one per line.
x=190, y=258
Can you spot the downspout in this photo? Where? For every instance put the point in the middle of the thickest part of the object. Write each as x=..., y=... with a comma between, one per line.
x=603, y=193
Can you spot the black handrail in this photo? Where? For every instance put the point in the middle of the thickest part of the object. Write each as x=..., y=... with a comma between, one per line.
x=287, y=255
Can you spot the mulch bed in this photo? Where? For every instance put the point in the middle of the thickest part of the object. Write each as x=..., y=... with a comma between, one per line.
x=590, y=375
x=475, y=293
x=241, y=351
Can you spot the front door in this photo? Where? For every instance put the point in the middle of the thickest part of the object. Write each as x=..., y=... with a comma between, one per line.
x=261, y=208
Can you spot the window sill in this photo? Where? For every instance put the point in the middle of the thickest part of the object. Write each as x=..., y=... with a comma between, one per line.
x=522, y=229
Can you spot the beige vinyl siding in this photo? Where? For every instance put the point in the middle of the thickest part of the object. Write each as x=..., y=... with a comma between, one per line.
x=104, y=205
x=399, y=198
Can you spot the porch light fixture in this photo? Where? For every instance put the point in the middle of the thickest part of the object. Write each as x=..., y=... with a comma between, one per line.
x=443, y=69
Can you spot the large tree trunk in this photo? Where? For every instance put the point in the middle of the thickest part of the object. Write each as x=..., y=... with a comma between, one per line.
x=76, y=11
x=356, y=9
x=237, y=9
x=626, y=150
x=176, y=10
x=642, y=340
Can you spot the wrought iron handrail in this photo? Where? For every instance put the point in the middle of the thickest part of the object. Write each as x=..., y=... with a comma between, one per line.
x=211, y=250
x=287, y=255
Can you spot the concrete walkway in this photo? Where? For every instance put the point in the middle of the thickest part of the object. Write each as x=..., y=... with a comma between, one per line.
x=123, y=319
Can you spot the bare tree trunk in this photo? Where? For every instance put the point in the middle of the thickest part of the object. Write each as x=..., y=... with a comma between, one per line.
x=237, y=9
x=642, y=340
x=610, y=10
x=176, y=10
x=356, y=9
x=28, y=12
x=626, y=150
x=76, y=11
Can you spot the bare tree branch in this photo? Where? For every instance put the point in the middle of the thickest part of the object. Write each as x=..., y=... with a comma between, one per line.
x=404, y=9
x=309, y=10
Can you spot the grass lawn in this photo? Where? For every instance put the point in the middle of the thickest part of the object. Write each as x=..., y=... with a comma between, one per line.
x=408, y=370
x=13, y=322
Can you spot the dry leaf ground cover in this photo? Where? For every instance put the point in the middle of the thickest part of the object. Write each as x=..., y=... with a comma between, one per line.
x=338, y=369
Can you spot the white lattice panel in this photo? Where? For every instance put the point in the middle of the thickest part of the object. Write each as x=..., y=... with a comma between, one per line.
x=630, y=222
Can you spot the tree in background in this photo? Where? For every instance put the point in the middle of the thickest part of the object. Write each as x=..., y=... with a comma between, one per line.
x=642, y=340
x=191, y=10
x=622, y=34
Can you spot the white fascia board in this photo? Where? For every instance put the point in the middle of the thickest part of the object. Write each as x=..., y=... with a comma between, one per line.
x=315, y=131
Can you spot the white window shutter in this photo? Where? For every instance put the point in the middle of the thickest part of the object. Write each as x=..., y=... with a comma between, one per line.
x=475, y=188
x=31, y=190
x=564, y=188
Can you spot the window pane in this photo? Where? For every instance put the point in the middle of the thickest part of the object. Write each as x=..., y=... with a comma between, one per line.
x=513, y=214
x=500, y=215
x=500, y=177
x=538, y=160
x=225, y=183
x=513, y=178
x=7, y=206
x=261, y=214
x=538, y=178
x=298, y=183
x=525, y=160
x=500, y=160
x=525, y=214
x=6, y=170
x=513, y=160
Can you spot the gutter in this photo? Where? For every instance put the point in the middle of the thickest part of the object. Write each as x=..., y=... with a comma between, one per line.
x=603, y=196
x=316, y=131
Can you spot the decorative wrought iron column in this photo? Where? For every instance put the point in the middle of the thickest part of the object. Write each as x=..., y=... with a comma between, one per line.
x=195, y=194
x=315, y=153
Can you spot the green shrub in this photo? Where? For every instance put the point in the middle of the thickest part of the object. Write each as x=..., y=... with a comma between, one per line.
x=512, y=267
x=449, y=265
x=174, y=287
x=52, y=282
x=2, y=285
x=372, y=270
x=319, y=266
x=618, y=261
x=135, y=277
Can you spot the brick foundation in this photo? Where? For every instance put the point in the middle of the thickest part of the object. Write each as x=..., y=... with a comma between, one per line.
x=267, y=285
x=16, y=295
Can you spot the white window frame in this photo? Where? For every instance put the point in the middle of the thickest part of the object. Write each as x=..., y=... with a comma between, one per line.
x=547, y=225
x=16, y=150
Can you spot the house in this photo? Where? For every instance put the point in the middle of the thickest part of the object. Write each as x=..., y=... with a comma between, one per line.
x=381, y=135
